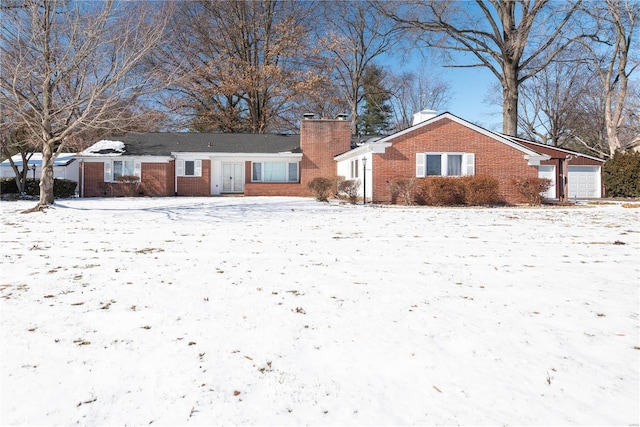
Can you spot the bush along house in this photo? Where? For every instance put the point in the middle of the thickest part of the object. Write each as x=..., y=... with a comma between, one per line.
x=211, y=164
x=448, y=146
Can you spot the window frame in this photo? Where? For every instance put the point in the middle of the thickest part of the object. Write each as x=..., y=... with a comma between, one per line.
x=110, y=168
x=467, y=164
x=181, y=168
x=354, y=169
x=258, y=172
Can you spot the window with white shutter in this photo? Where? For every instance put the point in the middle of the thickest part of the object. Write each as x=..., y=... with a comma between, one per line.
x=445, y=164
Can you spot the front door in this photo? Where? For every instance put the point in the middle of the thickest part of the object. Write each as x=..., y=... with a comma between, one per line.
x=232, y=177
x=549, y=172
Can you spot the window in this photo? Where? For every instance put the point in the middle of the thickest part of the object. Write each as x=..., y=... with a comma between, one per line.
x=122, y=168
x=445, y=164
x=189, y=167
x=274, y=172
x=355, y=170
x=114, y=169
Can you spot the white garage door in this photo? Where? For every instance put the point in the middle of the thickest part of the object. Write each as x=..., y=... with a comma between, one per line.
x=584, y=182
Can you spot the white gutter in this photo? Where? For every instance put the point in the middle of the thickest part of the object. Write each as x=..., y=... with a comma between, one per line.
x=372, y=147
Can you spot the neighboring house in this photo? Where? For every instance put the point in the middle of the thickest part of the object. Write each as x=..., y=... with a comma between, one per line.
x=446, y=145
x=204, y=164
x=65, y=166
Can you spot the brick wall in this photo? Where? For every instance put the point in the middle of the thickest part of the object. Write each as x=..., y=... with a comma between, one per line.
x=196, y=185
x=157, y=179
x=491, y=157
x=94, y=185
x=320, y=141
x=275, y=189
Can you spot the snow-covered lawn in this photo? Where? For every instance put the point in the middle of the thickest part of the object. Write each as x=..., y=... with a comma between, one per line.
x=286, y=311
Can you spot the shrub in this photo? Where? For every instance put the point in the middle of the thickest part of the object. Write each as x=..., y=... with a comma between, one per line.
x=130, y=183
x=61, y=187
x=350, y=187
x=451, y=191
x=64, y=188
x=322, y=188
x=481, y=190
x=532, y=188
x=403, y=190
x=440, y=191
x=621, y=175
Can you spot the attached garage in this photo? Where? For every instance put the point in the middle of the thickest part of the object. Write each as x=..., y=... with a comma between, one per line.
x=584, y=182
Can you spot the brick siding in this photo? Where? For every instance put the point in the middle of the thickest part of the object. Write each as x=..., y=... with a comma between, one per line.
x=491, y=157
x=196, y=185
x=320, y=141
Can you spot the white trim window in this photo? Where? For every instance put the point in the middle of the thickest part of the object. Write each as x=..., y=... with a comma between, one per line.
x=189, y=167
x=119, y=168
x=354, y=169
x=274, y=172
x=445, y=164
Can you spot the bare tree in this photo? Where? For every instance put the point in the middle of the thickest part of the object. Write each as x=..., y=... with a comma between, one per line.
x=355, y=35
x=514, y=39
x=413, y=92
x=552, y=101
x=70, y=66
x=243, y=65
x=610, y=48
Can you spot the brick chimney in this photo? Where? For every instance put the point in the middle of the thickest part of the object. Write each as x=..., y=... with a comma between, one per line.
x=320, y=141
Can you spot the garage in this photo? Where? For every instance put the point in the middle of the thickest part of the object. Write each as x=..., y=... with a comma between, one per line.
x=584, y=182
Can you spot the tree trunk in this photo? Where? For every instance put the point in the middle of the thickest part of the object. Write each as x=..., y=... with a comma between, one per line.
x=510, y=100
x=46, y=177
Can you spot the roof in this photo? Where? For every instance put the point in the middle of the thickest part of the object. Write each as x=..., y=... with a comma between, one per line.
x=446, y=115
x=557, y=151
x=63, y=159
x=165, y=143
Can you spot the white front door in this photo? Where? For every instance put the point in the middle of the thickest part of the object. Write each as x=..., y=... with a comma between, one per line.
x=232, y=177
x=548, y=172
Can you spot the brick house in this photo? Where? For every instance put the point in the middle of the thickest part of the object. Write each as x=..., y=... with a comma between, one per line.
x=205, y=164
x=446, y=145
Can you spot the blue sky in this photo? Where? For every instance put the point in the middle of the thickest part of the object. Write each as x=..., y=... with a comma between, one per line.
x=470, y=87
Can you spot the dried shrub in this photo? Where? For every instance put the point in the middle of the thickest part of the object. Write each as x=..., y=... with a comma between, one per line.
x=403, y=190
x=322, y=188
x=481, y=190
x=440, y=191
x=532, y=188
x=131, y=184
x=350, y=188
x=452, y=191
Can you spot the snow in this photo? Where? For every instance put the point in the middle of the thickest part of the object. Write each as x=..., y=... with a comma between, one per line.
x=104, y=147
x=63, y=159
x=286, y=311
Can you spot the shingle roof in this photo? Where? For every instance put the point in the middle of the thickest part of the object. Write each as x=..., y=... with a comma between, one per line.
x=165, y=143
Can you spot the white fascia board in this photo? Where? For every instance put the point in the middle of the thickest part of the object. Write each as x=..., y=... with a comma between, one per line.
x=141, y=159
x=237, y=156
x=498, y=137
x=536, y=159
x=371, y=147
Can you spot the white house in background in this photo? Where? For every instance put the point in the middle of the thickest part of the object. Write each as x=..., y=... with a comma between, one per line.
x=65, y=166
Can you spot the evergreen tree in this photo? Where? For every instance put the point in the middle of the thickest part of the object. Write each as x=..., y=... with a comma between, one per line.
x=375, y=118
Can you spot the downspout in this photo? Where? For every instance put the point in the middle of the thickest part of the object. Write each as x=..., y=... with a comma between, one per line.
x=565, y=177
x=175, y=178
x=82, y=179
